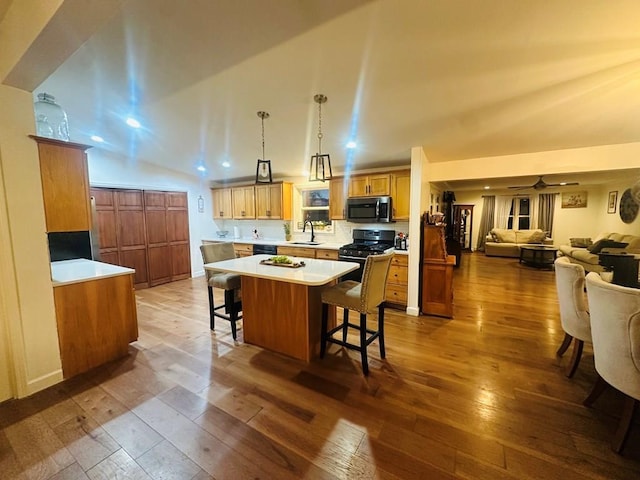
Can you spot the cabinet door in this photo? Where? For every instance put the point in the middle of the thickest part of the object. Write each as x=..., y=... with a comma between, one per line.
x=159, y=253
x=106, y=221
x=401, y=194
x=379, y=184
x=222, y=203
x=65, y=185
x=263, y=201
x=132, y=239
x=337, y=210
x=243, y=199
x=178, y=235
x=359, y=186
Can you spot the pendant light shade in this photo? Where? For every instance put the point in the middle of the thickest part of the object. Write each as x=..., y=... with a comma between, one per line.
x=320, y=166
x=263, y=167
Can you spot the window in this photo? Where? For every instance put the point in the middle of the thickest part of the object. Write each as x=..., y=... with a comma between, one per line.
x=519, y=214
x=314, y=205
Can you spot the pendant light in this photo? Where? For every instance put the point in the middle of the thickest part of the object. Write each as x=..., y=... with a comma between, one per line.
x=320, y=167
x=263, y=168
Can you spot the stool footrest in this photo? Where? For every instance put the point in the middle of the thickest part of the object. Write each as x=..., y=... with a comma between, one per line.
x=374, y=334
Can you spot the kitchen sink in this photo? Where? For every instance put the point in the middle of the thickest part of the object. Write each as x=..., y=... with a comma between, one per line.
x=305, y=243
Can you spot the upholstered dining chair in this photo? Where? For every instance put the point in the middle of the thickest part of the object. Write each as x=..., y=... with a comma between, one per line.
x=364, y=297
x=615, y=330
x=229, y=282
x=574, y=315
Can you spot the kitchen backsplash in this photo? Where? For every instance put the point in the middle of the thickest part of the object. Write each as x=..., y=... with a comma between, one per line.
x=273, y=230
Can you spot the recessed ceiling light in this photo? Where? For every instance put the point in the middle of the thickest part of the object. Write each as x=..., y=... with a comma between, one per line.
x=132, y=122
x=201, y=168
x=352, y=144
x=226, y=164
x=487, y=187
x=97, y=138
x=563, y=183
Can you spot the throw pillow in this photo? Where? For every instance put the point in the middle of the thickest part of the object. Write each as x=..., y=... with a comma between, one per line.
x=494, y=237
x=580, y=242
x=537, y=236
x=605, y=243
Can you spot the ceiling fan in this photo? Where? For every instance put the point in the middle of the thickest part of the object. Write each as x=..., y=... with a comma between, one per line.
x=541, y=184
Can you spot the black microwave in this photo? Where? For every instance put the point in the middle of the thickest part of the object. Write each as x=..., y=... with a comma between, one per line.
x=369, y=210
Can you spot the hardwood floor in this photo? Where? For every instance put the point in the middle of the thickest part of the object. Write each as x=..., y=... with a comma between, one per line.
x=482, y=396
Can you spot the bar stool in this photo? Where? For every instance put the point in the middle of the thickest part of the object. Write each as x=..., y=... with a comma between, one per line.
x=229, y=282
x=363, y=297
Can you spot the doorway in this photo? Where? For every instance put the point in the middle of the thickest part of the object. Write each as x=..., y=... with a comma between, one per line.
x=462, y=225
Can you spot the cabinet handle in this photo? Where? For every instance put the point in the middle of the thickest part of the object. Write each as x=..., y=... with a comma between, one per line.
x=268, y=213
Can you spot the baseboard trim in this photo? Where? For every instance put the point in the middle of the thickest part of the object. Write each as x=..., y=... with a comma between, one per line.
x=45, y=381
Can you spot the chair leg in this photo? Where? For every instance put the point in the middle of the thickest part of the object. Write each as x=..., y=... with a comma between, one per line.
x=565, y=344
x=620, y=438
x=596, y=391
x=345, y=324
x=363, y=343
x=230, y=302
x=323, y=331
x=383, y=352
x=211, y=309
x=575, y=358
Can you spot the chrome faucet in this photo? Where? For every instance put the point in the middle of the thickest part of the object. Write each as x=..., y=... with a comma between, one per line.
x=304, y=226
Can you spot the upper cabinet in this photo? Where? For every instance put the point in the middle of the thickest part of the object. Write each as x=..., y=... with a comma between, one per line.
x=65, y=185
x=370, y=185
x=273, y=201
x=222, y=203
x=243, y=202
x=337, y=199
x=401, y=194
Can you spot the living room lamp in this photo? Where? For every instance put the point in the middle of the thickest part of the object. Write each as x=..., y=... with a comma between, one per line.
x=263, y=168
x=320, y=167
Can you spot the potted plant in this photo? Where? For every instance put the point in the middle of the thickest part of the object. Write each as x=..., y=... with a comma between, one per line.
x=287, y=231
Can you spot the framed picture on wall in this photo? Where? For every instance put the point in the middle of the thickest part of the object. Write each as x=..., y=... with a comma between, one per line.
x=612, y=202
x=574, y=199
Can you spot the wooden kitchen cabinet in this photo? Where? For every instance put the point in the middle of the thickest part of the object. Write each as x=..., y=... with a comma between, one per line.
x=243, y=202
x=370, y=185
x=221, y=198
x=297, y=251
x=96, y=321
x=65, y=185
x=401, y=194
x=397, y=281
x=337, y=199
x=178, y=235
x=273, y=201
x=326, y=254
x=243, y=249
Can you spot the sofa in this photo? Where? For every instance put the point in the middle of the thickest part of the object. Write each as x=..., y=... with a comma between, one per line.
x=584, y=251
x=504, y=242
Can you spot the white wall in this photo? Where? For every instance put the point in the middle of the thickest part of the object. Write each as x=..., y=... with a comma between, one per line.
x=27, y=316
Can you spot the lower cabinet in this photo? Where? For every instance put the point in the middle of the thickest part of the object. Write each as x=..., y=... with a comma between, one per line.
x=297, y=252
x=243, y=249
x=397, y=281
x=97, y=320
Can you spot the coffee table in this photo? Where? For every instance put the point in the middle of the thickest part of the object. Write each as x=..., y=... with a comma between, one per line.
x=539, y=256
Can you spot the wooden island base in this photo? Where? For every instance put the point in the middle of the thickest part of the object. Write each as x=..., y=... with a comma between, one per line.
x=283, y=317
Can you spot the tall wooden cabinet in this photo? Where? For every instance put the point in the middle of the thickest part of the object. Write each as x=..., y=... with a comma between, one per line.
x=144, y=230
x=436, y=276
x=65, y=185
x=401, y=194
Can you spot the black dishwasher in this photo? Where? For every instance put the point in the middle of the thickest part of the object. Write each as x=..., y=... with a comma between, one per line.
x=265, y=249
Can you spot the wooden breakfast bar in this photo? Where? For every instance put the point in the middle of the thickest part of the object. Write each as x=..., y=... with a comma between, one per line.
x=281, y=306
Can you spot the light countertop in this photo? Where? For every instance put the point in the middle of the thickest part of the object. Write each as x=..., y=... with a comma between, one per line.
x=66, y=272
x=314, y=272
x=283, y=243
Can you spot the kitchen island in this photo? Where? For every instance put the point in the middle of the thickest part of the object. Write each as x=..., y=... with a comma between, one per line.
x=281, y=306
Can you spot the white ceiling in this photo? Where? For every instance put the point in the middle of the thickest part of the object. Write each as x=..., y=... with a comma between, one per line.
x=464, y=79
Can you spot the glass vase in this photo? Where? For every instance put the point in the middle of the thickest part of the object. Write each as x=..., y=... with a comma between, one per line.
x=47, y=111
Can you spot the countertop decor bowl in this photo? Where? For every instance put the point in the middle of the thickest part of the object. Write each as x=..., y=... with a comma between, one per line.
x=222, y=233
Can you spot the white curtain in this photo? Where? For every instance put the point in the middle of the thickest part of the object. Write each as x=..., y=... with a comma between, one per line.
x=533, y=212
x=503, y=207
